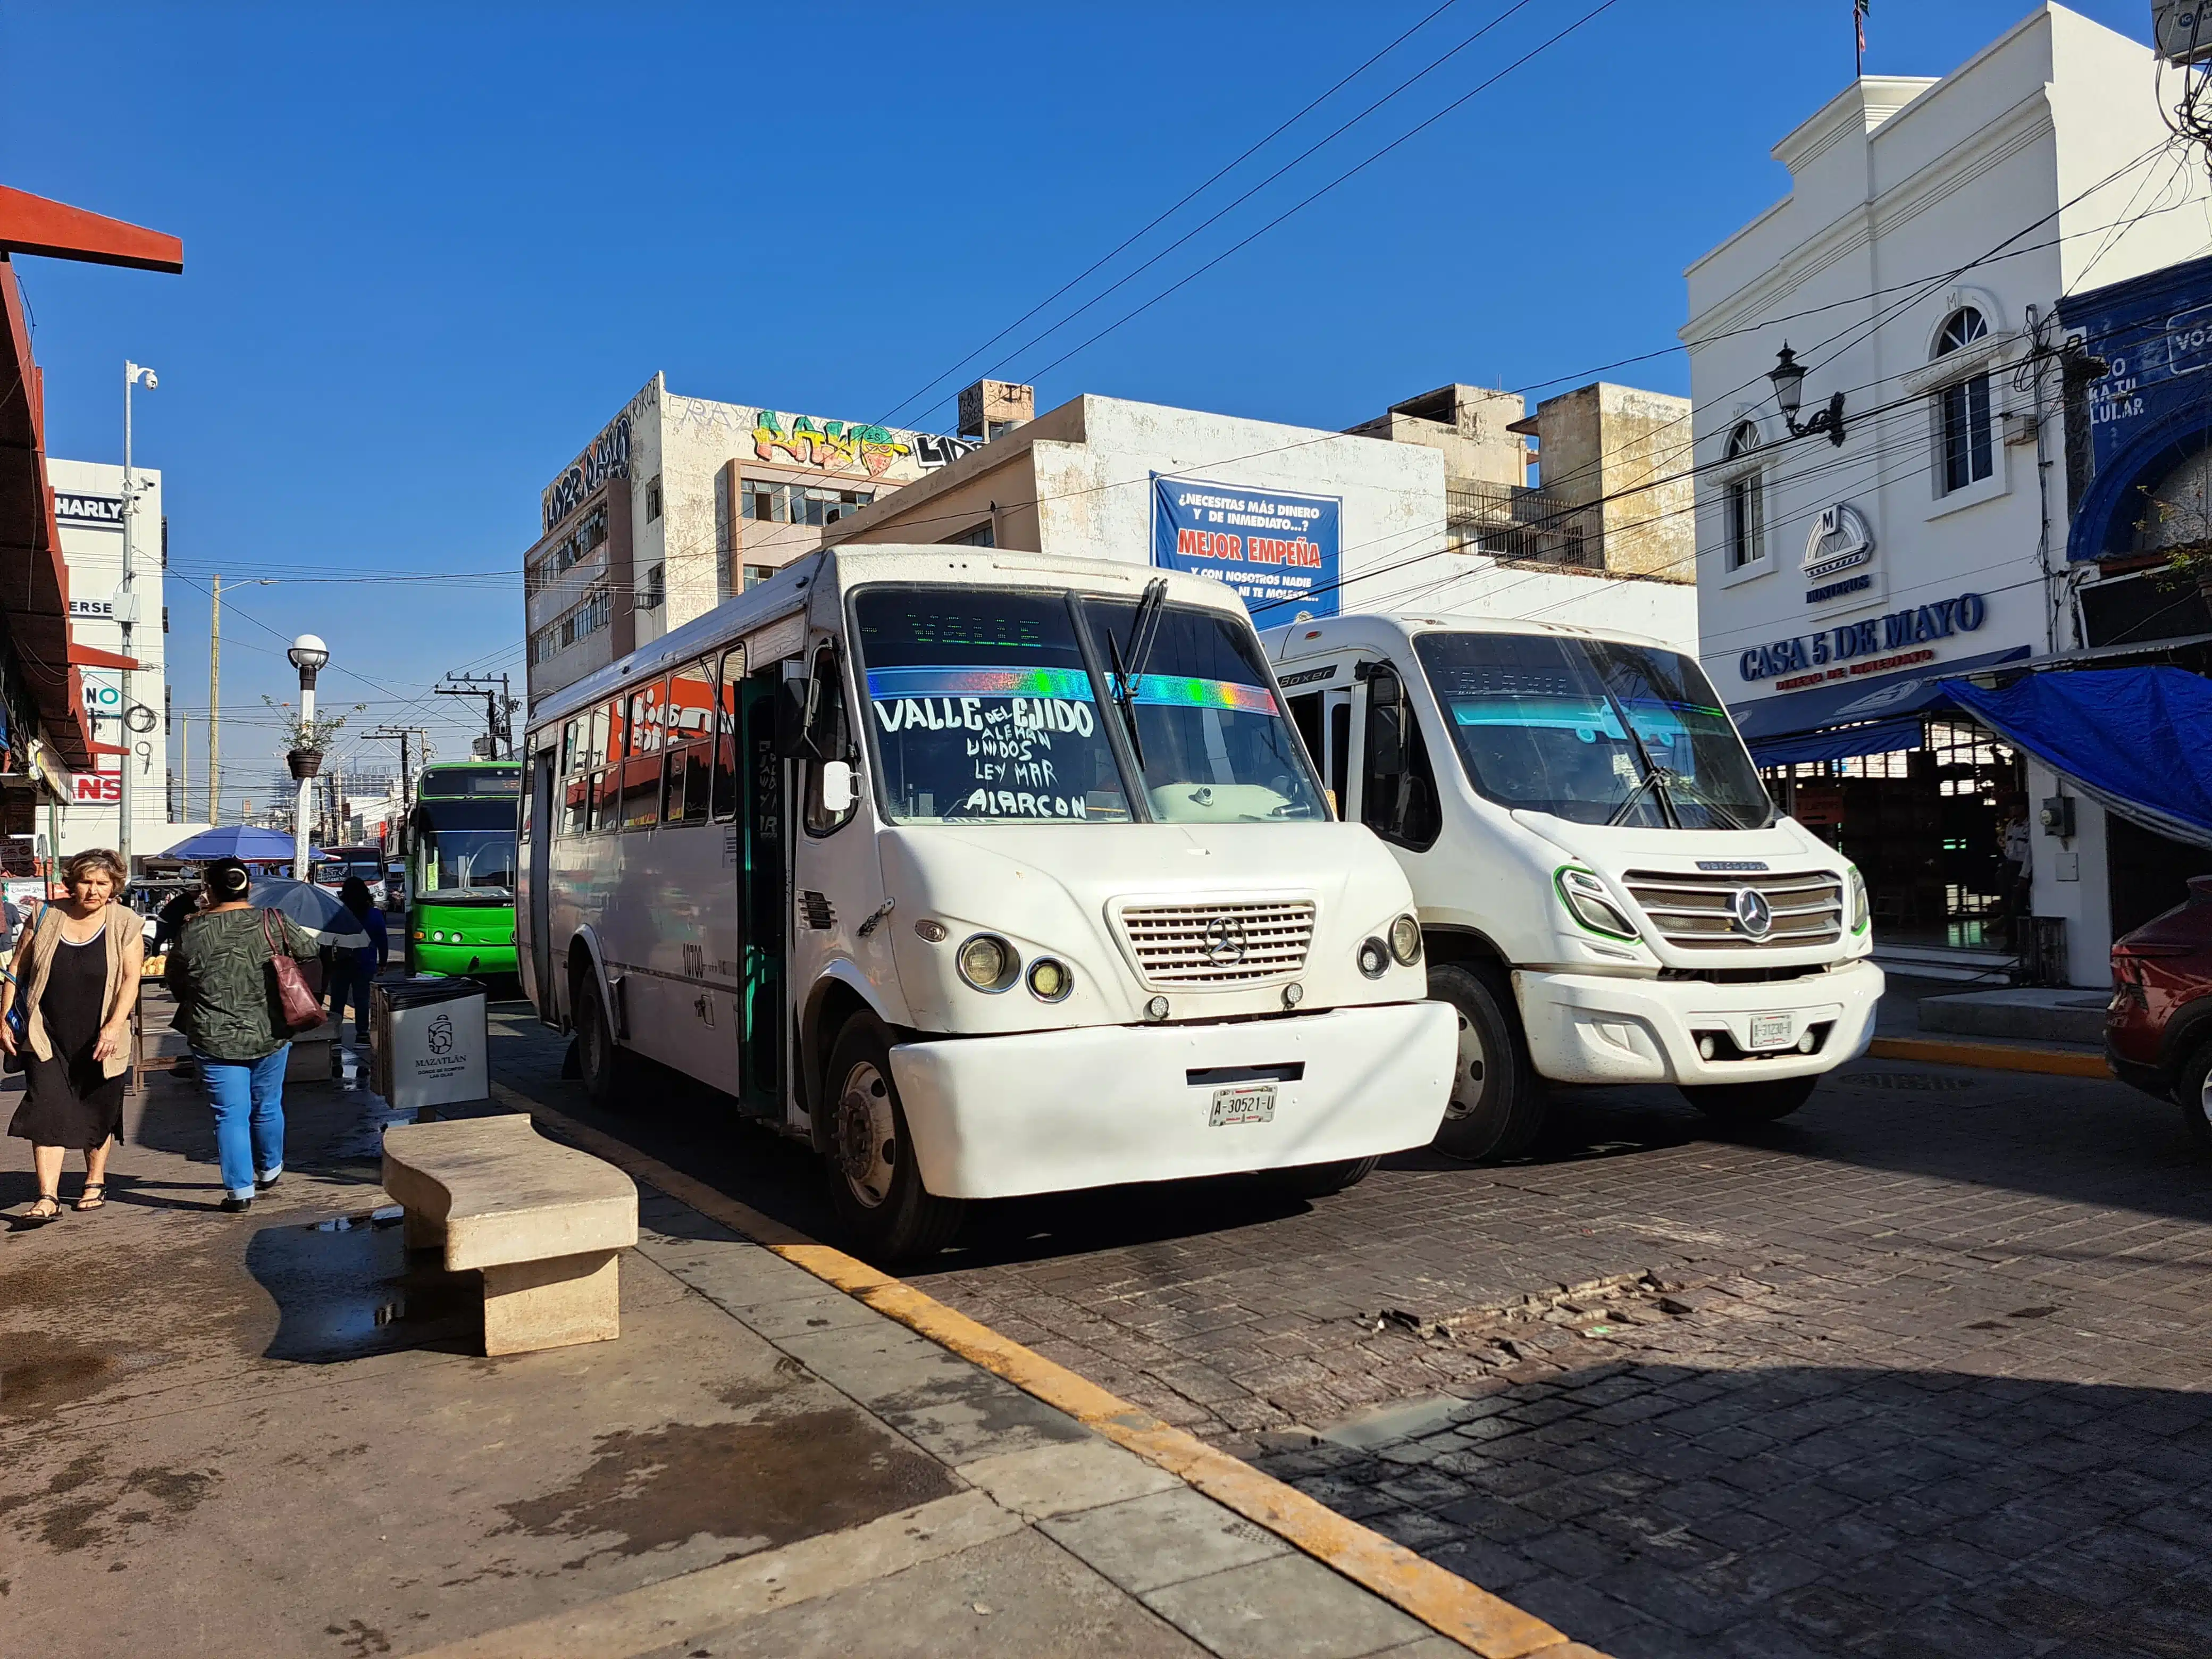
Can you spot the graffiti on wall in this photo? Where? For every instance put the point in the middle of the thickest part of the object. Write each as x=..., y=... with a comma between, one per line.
x=840, y=446
x=607, y=458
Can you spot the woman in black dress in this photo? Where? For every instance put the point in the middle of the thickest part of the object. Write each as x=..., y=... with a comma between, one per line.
x=77, y=982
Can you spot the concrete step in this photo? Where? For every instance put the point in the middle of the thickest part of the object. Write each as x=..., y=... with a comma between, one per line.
x=1941, y=962
x=2027, y=1012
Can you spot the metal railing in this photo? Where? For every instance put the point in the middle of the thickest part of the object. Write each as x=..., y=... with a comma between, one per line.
x=1516, y=524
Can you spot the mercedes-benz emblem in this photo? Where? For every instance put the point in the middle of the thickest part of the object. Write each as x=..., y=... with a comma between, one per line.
x=1754, y=915
x=1224, y=941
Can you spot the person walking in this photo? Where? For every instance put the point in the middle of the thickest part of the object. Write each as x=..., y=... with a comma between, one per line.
x=228, y=1008
x=353, y=969
x=76, y=986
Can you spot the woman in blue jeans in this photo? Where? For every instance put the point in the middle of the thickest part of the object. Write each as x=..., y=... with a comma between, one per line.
x=227, y=1009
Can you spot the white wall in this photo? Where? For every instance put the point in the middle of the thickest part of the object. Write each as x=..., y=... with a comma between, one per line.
x=2067, y=878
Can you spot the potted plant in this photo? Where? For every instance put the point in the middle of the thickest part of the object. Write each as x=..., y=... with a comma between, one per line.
x=304, y=740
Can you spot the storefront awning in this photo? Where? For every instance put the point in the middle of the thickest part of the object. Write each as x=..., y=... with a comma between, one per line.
x=1878, y=697
x=1882, y=737
x=2132, y=739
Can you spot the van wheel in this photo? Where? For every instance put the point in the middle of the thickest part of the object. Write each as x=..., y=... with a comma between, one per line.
x=609, y=1070
x=1320, y=1180
x=1762, y=1102
x=875, y=1183
x=1498, y=1101
x=2193, y=1089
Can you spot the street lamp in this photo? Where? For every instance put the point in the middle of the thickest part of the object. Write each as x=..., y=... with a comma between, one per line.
x=1789, y=377
x=134, y=375
x=308, y=654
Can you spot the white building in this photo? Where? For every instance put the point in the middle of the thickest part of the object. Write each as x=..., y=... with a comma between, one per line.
x=1931, y=227
x=680, y=502
x=1295, y=517
x=89, y=509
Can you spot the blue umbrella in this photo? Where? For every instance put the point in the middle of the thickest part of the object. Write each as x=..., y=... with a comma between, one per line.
x=237, y=840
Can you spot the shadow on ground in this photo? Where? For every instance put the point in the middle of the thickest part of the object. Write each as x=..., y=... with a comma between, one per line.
x=1658, y=1510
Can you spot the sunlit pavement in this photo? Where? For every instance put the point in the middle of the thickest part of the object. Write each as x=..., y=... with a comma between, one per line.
x=1921, y=1369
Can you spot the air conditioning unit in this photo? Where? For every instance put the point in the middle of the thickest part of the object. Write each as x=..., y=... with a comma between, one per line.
x=2020, y=429
x=2182, y=30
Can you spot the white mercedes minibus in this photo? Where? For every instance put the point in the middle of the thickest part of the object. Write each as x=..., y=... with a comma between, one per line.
x=990, y=873
x=1606, y=892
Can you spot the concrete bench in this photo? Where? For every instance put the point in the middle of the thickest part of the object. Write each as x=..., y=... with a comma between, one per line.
x=543, y=1223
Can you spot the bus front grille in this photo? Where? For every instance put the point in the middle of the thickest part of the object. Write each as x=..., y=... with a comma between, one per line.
x=1227, y=944
x=1698, y=911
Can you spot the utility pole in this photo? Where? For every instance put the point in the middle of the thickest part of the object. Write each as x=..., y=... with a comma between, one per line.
x=215, y=700
x=498, y=706
x=401, y=733
x=125, y=612
x=185, y=772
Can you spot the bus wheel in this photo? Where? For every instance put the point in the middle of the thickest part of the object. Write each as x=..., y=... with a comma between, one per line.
x=609, y=1071
x=1498, y=1101
x=1761, y=1101
x=1320, y=1180
x=874, y=1182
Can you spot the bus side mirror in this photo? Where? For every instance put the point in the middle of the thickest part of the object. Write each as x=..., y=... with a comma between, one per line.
x=836, y=787
x=792, y=740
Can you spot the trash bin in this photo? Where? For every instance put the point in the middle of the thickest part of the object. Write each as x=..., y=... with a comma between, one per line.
x=431, y=1042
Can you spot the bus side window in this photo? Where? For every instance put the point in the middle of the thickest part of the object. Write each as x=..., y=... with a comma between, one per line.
x=690, y=742
x=1398, y=791
x=611, y=725
x=830, y=720
x=726, y=735
x=640, y=774
x=1305, y=714
x=575, y=777
x=1339, y=750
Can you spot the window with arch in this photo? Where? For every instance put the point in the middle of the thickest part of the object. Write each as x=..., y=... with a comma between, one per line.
x=1744, y=507
x=1964, y=452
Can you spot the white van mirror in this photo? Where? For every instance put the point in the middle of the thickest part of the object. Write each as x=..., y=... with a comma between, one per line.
x=836, y=787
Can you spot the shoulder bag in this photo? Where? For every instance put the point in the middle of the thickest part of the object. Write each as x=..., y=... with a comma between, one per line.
x=301, y=1008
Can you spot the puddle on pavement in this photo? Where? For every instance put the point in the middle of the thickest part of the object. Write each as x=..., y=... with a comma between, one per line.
x=346, y=1288
x=363, y=1141
x=773, y=1481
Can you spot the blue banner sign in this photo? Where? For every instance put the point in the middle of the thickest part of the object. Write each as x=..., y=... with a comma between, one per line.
x=1277, y=549
x=1899, y=630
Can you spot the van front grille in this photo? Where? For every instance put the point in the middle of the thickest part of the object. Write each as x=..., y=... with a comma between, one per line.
x=1698, y=911
x=1225, y=944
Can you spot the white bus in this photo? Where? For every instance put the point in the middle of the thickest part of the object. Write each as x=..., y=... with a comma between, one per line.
x=1606, y=892
x=988, y=873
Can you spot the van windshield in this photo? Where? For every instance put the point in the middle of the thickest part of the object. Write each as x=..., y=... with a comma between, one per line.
x=982, y=709
x=1596, y=731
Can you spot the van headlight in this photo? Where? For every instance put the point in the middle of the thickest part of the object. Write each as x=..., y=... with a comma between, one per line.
x=1859, y=908
x=1590, y=904
x=989, y=963
x=1406, y=940
x=1373, y=957
x=1050, y=980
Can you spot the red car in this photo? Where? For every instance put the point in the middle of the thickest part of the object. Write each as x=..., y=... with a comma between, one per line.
x=2158, y=1029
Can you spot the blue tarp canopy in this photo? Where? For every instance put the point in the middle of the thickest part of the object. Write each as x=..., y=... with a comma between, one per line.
x=237, y=840
x=2132, y=739
x=1877, y=697
x=1883, y=737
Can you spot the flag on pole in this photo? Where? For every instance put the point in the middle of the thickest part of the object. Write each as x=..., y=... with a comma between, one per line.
x=1858, y=21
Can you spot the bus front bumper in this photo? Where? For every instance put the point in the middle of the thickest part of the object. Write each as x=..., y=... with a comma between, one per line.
x=1097, y=1106
x=464, y=958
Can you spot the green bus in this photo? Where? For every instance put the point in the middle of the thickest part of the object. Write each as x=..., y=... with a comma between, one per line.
x=460, y=868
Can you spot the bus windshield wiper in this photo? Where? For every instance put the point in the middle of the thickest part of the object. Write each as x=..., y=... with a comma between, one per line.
x=1144, y=628
x=1655, y=781
x=1727, y=814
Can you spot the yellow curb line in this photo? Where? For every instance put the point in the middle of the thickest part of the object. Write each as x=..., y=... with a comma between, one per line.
x=1447, y=1603
x=2052, y=1062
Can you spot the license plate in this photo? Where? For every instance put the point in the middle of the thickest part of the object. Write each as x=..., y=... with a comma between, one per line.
x=1243, y=1102
x=1773, y=1030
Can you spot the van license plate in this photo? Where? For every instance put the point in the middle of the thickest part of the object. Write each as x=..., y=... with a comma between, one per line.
x=1243, y=1102
x=1773, y=1030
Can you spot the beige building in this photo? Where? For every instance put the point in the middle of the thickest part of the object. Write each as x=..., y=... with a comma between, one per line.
x=679, y=502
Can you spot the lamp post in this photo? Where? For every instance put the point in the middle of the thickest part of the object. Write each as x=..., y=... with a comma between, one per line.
x=308, y=653
x=1789, y=377
x=134, y=374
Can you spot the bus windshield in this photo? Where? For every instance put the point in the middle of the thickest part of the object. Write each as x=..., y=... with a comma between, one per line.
x=1595, y=731
x=464, y=852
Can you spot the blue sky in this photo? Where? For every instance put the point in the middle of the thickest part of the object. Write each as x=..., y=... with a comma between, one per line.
x=429, y=252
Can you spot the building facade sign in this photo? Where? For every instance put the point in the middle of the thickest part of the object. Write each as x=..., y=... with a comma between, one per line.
x=95, y=512
x=1851, y=649
x=607, y=458
x=1839, y=555
x=1277, y=550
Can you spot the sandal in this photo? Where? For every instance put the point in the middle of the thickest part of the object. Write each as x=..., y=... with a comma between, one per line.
x=51, y=1212
x=93, y=1195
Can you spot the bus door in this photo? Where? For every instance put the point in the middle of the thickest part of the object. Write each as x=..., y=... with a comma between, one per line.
x=763, y=844
x=544, y=782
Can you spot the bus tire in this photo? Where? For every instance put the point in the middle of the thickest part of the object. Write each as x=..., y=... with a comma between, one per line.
x=1760, y=1102
x=609, y=1070
x=875, y=1183
x=1498, y=1101
x=1320, y=1180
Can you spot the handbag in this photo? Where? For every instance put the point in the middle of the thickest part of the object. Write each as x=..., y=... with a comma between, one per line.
x=301, y=1008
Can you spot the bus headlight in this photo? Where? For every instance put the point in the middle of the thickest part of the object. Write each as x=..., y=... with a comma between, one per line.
x=1859, y=905
x=1406, y=940
x=989, y=963
x=1590, y=904
x=1373, y=957
x=1050, y=981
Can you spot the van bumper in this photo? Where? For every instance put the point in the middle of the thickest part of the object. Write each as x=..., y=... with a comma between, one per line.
x=1594, y=1028
x=1097, y=1106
